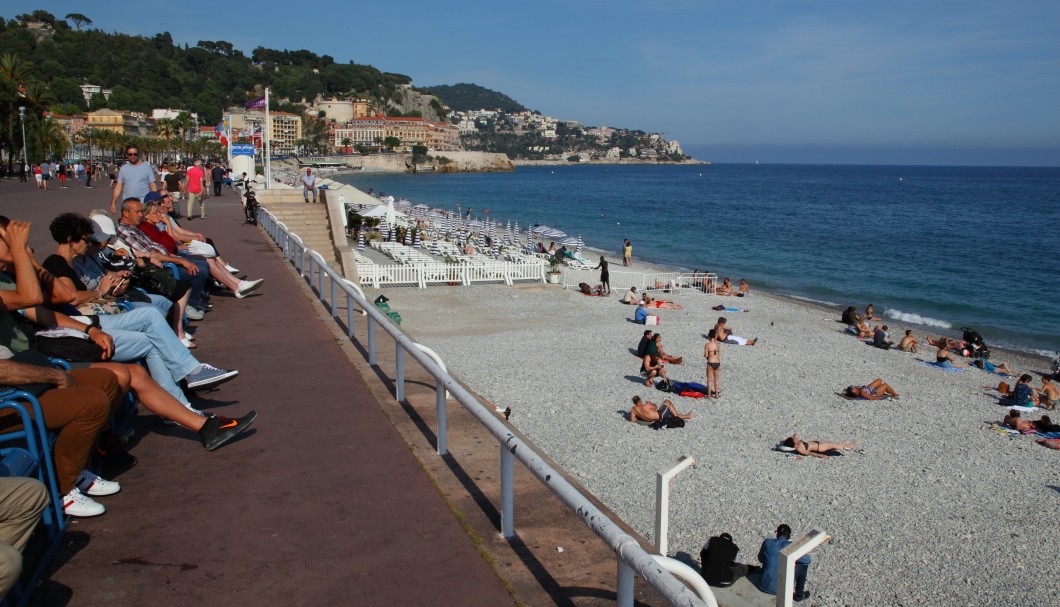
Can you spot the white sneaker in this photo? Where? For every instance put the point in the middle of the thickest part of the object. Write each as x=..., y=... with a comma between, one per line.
x=247, y=287
x=187, y=343
x=77, y=504
x=91, y=484
x=231, y=269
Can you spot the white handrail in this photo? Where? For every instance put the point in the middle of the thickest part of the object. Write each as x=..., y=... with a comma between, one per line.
x=691, y=577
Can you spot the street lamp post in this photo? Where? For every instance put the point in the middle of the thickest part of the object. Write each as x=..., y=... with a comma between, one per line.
x=22, y=117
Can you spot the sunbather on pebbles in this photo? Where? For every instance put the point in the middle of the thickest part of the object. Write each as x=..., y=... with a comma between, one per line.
x=725, y=335
x=816, y=448
x=647, y=411
x=660, y=303
x=874, y=391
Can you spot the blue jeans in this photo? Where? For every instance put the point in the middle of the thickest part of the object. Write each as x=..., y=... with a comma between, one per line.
x=800, y=577
x=198, y=282
x=143, y=334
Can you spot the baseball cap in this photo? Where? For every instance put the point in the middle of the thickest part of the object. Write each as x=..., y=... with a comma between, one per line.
x=103, y=228
x=152, y=197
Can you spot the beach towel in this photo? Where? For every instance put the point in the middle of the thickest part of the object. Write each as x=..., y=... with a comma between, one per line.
x=1023, y=409
x=690, y=394
x=849, y=397
x=940, y=367
x=683, y=386
x=720, y=308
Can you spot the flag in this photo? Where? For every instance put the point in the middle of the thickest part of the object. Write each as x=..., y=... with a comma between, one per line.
x=255, y=104
x=221, y=133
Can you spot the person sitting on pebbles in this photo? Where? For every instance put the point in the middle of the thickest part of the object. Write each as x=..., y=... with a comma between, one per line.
x=651, y=367
x=873, y=391
x=647, y=411
x=816, y=448
x=654, y=347
x=630, y=297
x=725, y=335
x=908, y=343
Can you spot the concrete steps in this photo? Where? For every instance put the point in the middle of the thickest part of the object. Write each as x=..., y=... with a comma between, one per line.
x=309, y=221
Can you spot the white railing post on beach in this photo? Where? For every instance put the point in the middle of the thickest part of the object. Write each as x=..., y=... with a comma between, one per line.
x=399, y=372
x=632, y=557
x=442, y=434
x=690, y=576
x=624, y=585
x=662, y=500
x=507, y=490
x=786, y=568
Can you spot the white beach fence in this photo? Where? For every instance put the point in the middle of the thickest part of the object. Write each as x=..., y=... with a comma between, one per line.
x=631, y=557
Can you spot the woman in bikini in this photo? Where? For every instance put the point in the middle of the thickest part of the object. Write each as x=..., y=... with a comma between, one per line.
x=944, y=359
x=816, y=448
x=873, y=391
x=712, y=352
x=1014, y=421
x=660, y=303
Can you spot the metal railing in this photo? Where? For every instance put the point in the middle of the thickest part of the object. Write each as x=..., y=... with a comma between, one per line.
x=629, y=554
x=423, y=274
x=622, y=280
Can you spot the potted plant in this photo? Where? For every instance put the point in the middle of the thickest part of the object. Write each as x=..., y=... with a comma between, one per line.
x=553, y=268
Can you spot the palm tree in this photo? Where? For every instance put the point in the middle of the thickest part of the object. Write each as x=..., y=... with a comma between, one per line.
x=183, y=123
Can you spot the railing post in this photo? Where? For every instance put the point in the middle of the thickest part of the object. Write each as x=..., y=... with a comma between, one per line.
x=371, y=341
x=349, y=317
x=440, y=419
x=334, y=309
x=662, y=500
x=399, y=380
x=624, y=584
x=507, y=491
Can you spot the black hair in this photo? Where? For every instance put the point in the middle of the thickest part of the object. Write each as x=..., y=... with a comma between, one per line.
x=789, y=442
x=784, y=530
x=70, y=227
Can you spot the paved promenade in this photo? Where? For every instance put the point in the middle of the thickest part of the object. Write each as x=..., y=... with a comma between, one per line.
x=320, y=503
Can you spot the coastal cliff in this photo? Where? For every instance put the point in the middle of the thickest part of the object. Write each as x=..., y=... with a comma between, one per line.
x=441, y=162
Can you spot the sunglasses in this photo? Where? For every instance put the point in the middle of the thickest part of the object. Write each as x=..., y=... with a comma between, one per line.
x=132, y=154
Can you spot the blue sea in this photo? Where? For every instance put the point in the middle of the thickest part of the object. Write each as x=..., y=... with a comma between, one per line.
x=941, y=247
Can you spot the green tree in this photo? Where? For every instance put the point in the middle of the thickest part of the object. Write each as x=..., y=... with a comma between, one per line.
x=392, y=142
x=78, y=20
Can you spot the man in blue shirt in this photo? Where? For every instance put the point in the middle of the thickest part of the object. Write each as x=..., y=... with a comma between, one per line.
x=640, y=314
x=769, y=556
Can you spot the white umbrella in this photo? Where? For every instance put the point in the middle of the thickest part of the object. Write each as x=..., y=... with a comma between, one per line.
x=391, y=213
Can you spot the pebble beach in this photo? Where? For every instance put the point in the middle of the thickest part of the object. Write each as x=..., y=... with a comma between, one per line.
x=934, y=507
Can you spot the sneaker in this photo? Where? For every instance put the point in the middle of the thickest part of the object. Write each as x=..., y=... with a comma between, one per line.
x=76, y=503
x=219, y=430
x=801, y=597
x=188, y=343
x=194, y=313
x=248, y=286
x=231, y=269
x=91, y=484
x=207, y=376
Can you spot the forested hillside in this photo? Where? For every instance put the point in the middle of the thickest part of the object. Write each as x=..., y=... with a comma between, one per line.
x=466, y=97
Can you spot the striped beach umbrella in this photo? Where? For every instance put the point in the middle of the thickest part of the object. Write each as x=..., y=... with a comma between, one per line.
x=481, y=239
x=360, y=241
x=578, y=248
x=408, y=236
x=417, y=243
x=434, y=247
x=384, y=227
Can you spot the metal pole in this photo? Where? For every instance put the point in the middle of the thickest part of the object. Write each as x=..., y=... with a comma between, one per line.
x=624, y=584
x=371, y=341
x=507, y=491
x=399, y=380
x=662, y=500
x=440, y=419
x=22, y=117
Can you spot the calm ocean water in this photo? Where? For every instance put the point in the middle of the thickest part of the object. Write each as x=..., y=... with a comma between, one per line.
x=939, y=246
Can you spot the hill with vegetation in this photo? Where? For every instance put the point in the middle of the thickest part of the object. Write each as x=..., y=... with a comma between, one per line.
x=465, y=97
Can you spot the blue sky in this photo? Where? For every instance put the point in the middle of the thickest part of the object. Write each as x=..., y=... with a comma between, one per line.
x=941, y=82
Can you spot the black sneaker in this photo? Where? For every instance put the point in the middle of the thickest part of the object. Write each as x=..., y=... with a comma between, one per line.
x=219, y=430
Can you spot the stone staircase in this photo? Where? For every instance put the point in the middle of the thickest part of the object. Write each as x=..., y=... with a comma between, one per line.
x=309, y=221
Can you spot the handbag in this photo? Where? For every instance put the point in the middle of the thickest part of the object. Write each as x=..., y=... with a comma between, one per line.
x=154, y=279
x=68, y=344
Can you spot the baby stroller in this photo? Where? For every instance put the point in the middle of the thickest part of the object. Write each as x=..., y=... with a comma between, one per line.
x=250, y=208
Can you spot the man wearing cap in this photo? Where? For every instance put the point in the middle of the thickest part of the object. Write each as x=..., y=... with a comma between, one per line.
x=196, y=189
x=769, y=556
x=135, y=178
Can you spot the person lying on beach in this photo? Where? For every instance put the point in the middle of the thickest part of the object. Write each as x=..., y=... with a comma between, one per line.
x=989, y=367
x=1046, y=425
x=725, y=288
x=651, y=367
x=1014, y=421
x=745, y=289
x=654, y=348
x=908, y=343
x=647, y=411
x=944, y=342
x=873, y=391
x=870, y=313
x=725, y=336
x=630, y=297
x=816, y=448
x=880, y=338
x=1049, y=395
x=660, y=303
x=944, y=358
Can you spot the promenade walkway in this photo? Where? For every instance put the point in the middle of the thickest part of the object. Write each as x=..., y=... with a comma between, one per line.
x=321, y=503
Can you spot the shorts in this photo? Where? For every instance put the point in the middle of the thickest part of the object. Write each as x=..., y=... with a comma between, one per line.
x=664, y=413
x=44, y=176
